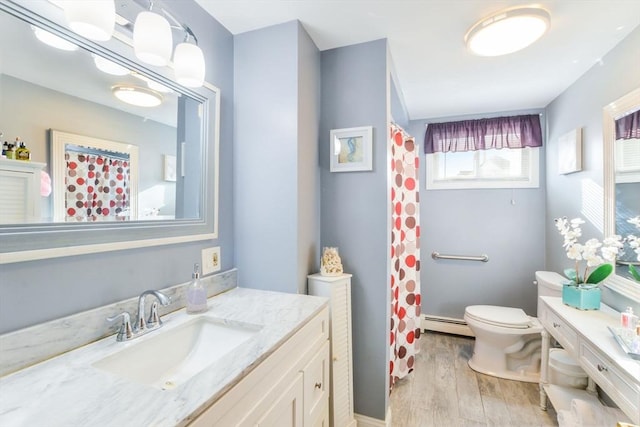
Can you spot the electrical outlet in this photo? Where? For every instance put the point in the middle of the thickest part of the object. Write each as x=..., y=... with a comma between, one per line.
x=211, y=260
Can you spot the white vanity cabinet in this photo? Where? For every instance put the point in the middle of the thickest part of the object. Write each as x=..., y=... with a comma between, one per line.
x=584, y=334
x=338, y=290
x=290, y=388
x=19, y=191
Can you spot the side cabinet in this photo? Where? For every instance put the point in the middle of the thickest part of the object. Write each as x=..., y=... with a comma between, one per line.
x=288, y=389
x=338, y=290
x=19, y=191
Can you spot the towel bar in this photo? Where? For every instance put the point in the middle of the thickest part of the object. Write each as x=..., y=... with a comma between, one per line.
x=483, y=258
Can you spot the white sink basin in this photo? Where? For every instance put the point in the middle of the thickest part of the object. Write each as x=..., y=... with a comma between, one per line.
x=166, y=359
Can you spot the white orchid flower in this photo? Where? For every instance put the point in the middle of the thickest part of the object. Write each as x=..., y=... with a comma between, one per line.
x=575, y=252
x=576, y=222
x=610, y=253
x=635, y=221
x=594, y=260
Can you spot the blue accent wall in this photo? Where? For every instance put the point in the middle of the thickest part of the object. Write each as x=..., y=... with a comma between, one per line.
x=581, y=106
x=354, y=209
x=505, y=224
x=277, y=98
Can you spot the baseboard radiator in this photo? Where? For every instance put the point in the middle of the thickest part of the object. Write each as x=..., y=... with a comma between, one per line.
x=447, y=325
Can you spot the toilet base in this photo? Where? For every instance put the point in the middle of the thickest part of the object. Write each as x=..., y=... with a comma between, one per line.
x=529, y=377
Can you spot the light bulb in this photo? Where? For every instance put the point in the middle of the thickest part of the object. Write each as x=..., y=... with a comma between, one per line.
x=152, y=39
x=188, y=63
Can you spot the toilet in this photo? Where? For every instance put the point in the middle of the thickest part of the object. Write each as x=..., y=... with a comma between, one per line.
x=508, y=341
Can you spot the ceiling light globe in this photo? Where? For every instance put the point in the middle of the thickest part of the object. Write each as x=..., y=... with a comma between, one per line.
x=152, y=39
x=107, y=66
x=94, y=19
x=508, y=31
x=138, y=96
x=188, y=64
x=53, y=40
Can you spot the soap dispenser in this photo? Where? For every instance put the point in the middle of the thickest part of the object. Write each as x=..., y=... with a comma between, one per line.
x=196, y=294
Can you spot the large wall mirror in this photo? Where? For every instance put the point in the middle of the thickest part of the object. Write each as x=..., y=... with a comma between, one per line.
x=62, y=105
x=622, y=187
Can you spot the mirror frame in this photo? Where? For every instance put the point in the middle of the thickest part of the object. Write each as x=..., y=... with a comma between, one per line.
x=27, y=242
x=611, y=113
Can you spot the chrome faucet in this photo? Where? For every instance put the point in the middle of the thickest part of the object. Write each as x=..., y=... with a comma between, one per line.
x=142, y=326
x=154, y=321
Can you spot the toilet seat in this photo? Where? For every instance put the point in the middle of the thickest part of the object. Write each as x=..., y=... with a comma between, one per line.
x=505, y=317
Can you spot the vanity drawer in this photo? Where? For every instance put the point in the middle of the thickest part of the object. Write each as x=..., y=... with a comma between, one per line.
x=316, y=386
x=560, y=330
x=619, y=387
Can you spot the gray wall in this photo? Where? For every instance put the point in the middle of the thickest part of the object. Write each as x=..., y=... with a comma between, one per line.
x=37, y=291
x=506, y=224
x=49, y=109
x=354, y=216
x=580, y=194
x=275, y=168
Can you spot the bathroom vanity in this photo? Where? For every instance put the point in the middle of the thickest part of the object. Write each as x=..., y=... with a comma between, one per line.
x=269, y=367
x=585, y=335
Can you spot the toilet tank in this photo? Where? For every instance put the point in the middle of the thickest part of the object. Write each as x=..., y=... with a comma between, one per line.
x=549, y=284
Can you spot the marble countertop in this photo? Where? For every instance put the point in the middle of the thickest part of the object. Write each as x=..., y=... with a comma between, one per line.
x=68, y=391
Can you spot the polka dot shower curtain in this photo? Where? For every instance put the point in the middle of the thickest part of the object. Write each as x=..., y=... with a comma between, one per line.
x=97, y=188
x=405, y=255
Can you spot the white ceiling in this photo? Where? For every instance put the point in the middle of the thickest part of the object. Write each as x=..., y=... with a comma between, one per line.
x=436, y=74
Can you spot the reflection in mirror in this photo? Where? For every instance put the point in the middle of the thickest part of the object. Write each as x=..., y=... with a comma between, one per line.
x=79, y=86
x=627, y=186
x=73, y=92
x=621, y=127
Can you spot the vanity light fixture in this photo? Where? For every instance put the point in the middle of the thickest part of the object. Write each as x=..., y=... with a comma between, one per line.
x=136, y=95
x=93, y=19
x=152, y=38
x=107, y=66
x=188, y=61
x=507, y=31
x=53, y=40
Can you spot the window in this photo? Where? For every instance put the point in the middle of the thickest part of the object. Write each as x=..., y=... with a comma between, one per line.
x=493, y=168
x=498, y=152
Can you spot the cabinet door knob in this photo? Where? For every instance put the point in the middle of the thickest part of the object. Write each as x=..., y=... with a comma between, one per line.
x=602, y=368
x=318, y=385
x=335, y=358
x=556, y=325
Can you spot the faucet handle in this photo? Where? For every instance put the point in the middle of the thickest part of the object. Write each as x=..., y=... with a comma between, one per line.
x=125, y=332
x=154, y=319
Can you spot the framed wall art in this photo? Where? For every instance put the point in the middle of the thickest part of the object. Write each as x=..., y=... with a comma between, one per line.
x=570, y=152
x=351, y=149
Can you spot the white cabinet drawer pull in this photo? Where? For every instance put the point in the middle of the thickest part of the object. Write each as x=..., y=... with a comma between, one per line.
x=602, y=368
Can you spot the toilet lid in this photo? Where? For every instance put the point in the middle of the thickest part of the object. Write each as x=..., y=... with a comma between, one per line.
x=506, y=317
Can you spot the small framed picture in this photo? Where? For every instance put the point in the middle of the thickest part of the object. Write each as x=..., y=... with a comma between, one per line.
x=351, y=149
x=169, y=167
x=570, y=152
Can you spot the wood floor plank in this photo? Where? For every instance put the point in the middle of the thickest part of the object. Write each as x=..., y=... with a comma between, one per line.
x=443, y=391
x=469, y=400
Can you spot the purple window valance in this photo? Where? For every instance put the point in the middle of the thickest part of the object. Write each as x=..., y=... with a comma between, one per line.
x=628, y=127
x=484, y=134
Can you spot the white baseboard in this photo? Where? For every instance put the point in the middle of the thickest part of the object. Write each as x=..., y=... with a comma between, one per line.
x=446, y=325
x=364, y=421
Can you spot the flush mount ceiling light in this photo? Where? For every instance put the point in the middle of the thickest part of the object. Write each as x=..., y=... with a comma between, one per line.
x=107, y=66
x=507, y=31
x=52, y=40
x=93, y=19
x=136, y=95
x=152, y=38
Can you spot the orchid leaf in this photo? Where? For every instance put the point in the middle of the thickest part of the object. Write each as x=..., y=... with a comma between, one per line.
x=571, y=274
x=600, y=273
x=634, y=272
